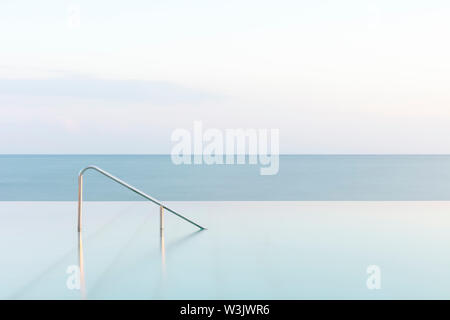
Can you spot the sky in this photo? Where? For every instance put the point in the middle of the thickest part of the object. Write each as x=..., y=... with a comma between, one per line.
x=335, y=77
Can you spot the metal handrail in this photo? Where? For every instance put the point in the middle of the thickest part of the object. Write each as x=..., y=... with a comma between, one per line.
x=139, y=192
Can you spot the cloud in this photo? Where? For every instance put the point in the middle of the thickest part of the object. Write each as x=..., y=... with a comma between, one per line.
x=105, y=89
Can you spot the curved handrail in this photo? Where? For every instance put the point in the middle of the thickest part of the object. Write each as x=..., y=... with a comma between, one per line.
x=126, y=185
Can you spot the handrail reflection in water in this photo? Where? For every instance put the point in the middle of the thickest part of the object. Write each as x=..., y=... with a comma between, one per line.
x=162, y=249
x=81, y=266
x=81, y=262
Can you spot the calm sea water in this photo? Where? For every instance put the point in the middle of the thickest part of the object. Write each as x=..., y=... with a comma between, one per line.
x=308, y=177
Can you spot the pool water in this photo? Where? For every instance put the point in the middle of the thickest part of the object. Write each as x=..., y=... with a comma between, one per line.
x=251, y=250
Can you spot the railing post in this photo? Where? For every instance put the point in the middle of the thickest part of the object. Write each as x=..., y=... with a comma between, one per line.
x=80, y=199
x=161, y=220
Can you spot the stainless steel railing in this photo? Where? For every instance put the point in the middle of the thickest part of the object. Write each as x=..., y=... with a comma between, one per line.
x=126, y=185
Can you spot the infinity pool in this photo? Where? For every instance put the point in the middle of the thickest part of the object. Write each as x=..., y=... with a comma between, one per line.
x=251, y=250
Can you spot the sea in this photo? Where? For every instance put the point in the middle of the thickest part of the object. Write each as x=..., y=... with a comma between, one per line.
x=300, y=178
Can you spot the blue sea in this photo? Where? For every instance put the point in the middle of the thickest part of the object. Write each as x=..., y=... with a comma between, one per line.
x=300, y=177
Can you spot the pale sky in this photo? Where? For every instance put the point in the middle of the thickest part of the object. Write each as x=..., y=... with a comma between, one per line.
x=119, y=76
